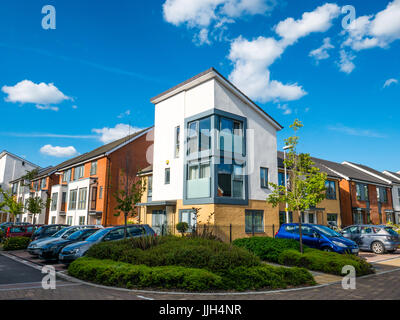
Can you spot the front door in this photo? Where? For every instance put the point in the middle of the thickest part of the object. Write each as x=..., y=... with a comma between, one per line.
x=159, y=221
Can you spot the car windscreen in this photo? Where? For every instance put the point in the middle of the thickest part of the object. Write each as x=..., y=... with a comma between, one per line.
x=59, y=233
x=327, y=232
x=38, y=231
x=98, y=235
x=76, y=235
x=391, y=232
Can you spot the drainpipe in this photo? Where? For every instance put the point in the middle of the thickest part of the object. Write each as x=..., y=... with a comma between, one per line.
x=351, y=202
x=106, y=189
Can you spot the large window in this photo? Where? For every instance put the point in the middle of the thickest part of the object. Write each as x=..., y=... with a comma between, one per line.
x=67, y=176
x=82, y=199
x=188, y=216
x=382, y=194
x=63, y=201
x=362, y=192
x=177, y=141
x=198, y=180
x=231, y=135
x=330, y=189
x=43, y=183
x=79, y=172
x=254, y=221
x=230, y=180
x=72, y=199
x=54, y=199
x=199, y=135
x=264, y=177
x=93, y=168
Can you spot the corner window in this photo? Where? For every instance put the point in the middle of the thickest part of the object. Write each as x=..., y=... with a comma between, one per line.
x=167, y=177
x=199, y=135
x=330, y=189
x=254, y=221
x=362, y=192
x=230, y=180
x=93, y=168
x=198, y=180
x=264, y=177
x=231, y=135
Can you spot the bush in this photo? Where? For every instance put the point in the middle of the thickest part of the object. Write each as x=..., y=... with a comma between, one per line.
x=207, y=254
x=112, y=273
x=182, y=227
x=327, y=262
x=266, y=248
x=16, y=243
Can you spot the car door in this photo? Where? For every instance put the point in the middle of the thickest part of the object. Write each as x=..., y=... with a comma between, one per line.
x=308, y=237
x=114, y=235
x=367, y=237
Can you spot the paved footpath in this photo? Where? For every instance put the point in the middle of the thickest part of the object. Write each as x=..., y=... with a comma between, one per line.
x=27, y=286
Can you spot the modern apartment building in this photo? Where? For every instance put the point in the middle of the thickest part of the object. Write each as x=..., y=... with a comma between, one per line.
x=364, y=197
x=395, y=178
x=85, y=185
x=215, y=151
x=12, y=167
x=326, y=211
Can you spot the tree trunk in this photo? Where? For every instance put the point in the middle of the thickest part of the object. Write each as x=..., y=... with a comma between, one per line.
x=126, y=225
x=300, y=233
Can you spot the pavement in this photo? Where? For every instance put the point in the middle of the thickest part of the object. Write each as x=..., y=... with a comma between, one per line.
x=20, y=278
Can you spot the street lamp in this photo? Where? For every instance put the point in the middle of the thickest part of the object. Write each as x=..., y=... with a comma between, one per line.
x=286, y=188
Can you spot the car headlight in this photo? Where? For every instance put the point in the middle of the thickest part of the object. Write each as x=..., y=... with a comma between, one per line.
x=32, y=246
x=339, y=244
x=77, y=250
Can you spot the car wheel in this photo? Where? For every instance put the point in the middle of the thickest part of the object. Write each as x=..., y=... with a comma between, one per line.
x=378, y=247
x=327, y=249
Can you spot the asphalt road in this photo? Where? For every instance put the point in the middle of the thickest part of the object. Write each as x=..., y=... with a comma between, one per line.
x=12, y=272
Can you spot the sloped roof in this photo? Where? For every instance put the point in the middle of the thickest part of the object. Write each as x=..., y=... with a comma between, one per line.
x=215, y=72
x=351, y=173
x=317, y=164
x=375, y=172
x=101, y=150
x=397, y=175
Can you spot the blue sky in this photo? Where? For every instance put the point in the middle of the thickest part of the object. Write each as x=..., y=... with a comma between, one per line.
x=69, y=90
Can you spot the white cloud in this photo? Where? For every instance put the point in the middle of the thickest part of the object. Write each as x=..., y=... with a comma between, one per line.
x=346, y=64
x=42, y=94
x=75, y=107
x=356, y=132
x=38, y=106
x=322, y=52
x=252, y=59
x=285, y=108
x=390, y=82
x=121, y=130
x=123, y=114
x=202, y=14
x=378, y=30
x=59, y=152
x=319, y=20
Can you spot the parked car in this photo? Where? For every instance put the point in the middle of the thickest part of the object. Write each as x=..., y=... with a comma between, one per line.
x=378, y=239
x=47, y=231
x=51, y=250
x=20, y=231
x=79, y=249
x=318, y=237
x=34, y=246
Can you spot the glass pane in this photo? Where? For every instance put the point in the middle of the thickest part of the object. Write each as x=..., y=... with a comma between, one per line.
x=205, y=136
x=192, y=138
x=226, y=134
x=237, y=189
x=193, y=172
x=205, y=170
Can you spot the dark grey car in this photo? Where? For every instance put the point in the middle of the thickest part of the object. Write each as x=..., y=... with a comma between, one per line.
x=379, y=239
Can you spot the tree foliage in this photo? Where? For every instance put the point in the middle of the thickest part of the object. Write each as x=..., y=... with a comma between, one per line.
x=306, y=185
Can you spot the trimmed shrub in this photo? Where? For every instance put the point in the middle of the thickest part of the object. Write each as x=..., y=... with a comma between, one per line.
x=207, y=254
x=327, y=262
x=16, y=243
x=112, y=273
x=266, y=248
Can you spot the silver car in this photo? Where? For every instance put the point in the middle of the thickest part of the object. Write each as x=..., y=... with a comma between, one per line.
x=35, y=246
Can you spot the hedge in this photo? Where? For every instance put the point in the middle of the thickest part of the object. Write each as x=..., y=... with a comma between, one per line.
x=206, y=254
x=327, y=262
x=266, y=248
x=16, y=243
x=120, y=274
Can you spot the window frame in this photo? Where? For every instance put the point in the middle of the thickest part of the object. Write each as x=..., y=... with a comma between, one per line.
x=264, y=182
x=54, y=201
x=72, y=204
x=328, y=185
x=82, y=200
x=177, y=141
x=252, y=228
x=167, y=181
x=93, y=168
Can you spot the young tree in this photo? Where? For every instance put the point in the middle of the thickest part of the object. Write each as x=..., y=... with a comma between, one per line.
x=306, y=187
x=35, y=205
x=10, y=205
x=128, y=197
x=29, y=176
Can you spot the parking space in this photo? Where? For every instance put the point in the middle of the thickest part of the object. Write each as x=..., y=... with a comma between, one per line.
x=373, y=258
x=35, y=260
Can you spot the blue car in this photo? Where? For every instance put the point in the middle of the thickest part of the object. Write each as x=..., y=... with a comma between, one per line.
x=318, y=237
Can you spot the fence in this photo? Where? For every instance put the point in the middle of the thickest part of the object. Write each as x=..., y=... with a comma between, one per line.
x=226, y=233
